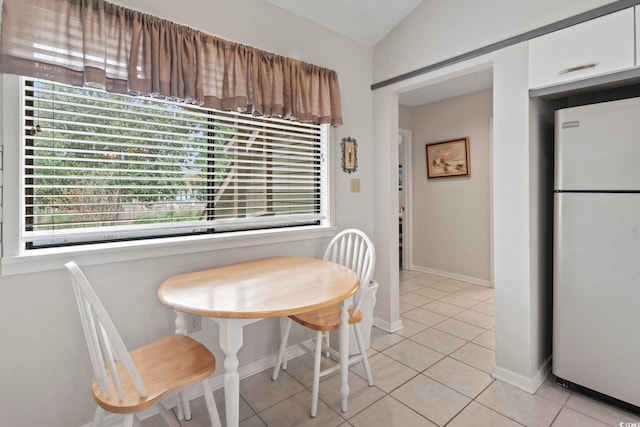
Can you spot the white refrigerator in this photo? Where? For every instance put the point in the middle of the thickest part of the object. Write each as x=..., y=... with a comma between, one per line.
x=596, y=272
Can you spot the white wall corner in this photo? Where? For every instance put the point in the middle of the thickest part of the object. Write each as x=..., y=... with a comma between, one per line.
x=386, y=204
x=515, y=325
x=388, y=327
x=530, y=385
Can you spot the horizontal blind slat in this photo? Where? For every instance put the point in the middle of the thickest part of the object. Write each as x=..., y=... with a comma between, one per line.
x=100, y=166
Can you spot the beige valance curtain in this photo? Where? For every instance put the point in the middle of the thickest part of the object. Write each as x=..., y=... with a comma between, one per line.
x=93, y=41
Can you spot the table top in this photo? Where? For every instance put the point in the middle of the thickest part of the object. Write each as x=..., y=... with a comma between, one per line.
x=277, y=286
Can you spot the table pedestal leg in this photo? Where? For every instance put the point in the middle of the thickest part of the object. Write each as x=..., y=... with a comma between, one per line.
x=344, y=355
x=184, y=410
x=230, y=342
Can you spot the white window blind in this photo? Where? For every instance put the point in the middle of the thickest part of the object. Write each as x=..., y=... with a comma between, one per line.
x=103, y=167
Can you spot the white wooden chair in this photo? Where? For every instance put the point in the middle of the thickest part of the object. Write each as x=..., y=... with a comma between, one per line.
x=351, y=248
x=127, y=382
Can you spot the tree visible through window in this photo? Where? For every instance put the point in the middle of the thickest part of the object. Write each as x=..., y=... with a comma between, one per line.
x=101, y=167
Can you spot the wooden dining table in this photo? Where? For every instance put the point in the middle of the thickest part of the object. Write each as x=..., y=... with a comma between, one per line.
x=239, y=294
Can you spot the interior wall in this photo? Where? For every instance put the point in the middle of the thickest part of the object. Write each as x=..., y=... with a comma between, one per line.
x=45, y=368
x=385, y=213
x=451, y=230
x=405, y=117
x=517, y=327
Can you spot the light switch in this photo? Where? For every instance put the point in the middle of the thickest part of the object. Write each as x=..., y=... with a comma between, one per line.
x=355, y=185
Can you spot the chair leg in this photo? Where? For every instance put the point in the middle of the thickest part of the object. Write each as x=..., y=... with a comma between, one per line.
x=167, y=416
x=128, y=420
x=136, y=422
x=98, y=418
x=327, y=343
x=183, y=402
x=316, y=374
x=214, y=417
x=282, y=350
x=363, y=353
x=179, y=410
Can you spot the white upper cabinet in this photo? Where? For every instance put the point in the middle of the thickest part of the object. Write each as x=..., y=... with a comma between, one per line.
x=637, y=10
x=599, y=46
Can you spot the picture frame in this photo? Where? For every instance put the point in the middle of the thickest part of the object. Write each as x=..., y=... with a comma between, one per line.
x=349, y=154
x=448, y=158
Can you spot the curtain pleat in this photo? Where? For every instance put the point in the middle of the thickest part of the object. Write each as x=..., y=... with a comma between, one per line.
x=93, y=41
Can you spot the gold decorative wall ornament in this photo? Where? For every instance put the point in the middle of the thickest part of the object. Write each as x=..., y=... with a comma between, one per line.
x=349, y=154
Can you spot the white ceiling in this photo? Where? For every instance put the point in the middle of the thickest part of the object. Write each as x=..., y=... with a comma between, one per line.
x=369, y=21
x=364, y=21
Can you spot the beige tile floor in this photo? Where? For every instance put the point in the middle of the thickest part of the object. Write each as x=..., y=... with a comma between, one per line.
x=433, y=372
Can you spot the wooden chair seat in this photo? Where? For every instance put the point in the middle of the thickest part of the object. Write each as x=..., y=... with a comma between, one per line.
x=166, y=366
x=325, y=319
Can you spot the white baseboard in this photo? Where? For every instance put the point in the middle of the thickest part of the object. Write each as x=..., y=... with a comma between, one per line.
x=216, y=382
x=530, y=385
x=474, y=280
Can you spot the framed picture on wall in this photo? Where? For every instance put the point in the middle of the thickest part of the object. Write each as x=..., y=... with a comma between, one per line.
x=448, y=158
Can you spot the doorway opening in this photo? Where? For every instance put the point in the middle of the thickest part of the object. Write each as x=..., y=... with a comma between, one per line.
x=405, y=217
x=451, y=235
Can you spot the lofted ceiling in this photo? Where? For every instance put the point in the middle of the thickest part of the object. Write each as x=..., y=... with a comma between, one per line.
x=369, y=21
x=364, y=21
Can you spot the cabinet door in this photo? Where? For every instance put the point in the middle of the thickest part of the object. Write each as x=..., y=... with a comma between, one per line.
x=637, y=12
x=599, y=46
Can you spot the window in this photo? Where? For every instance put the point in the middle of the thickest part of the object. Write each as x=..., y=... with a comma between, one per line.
x=101, y=167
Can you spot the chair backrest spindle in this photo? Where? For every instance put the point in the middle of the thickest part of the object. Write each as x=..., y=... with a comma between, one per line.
x=105, y=345
x=88, y=325
x=353, y=249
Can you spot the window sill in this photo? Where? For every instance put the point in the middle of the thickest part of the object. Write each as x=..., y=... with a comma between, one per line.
x=54, y=259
